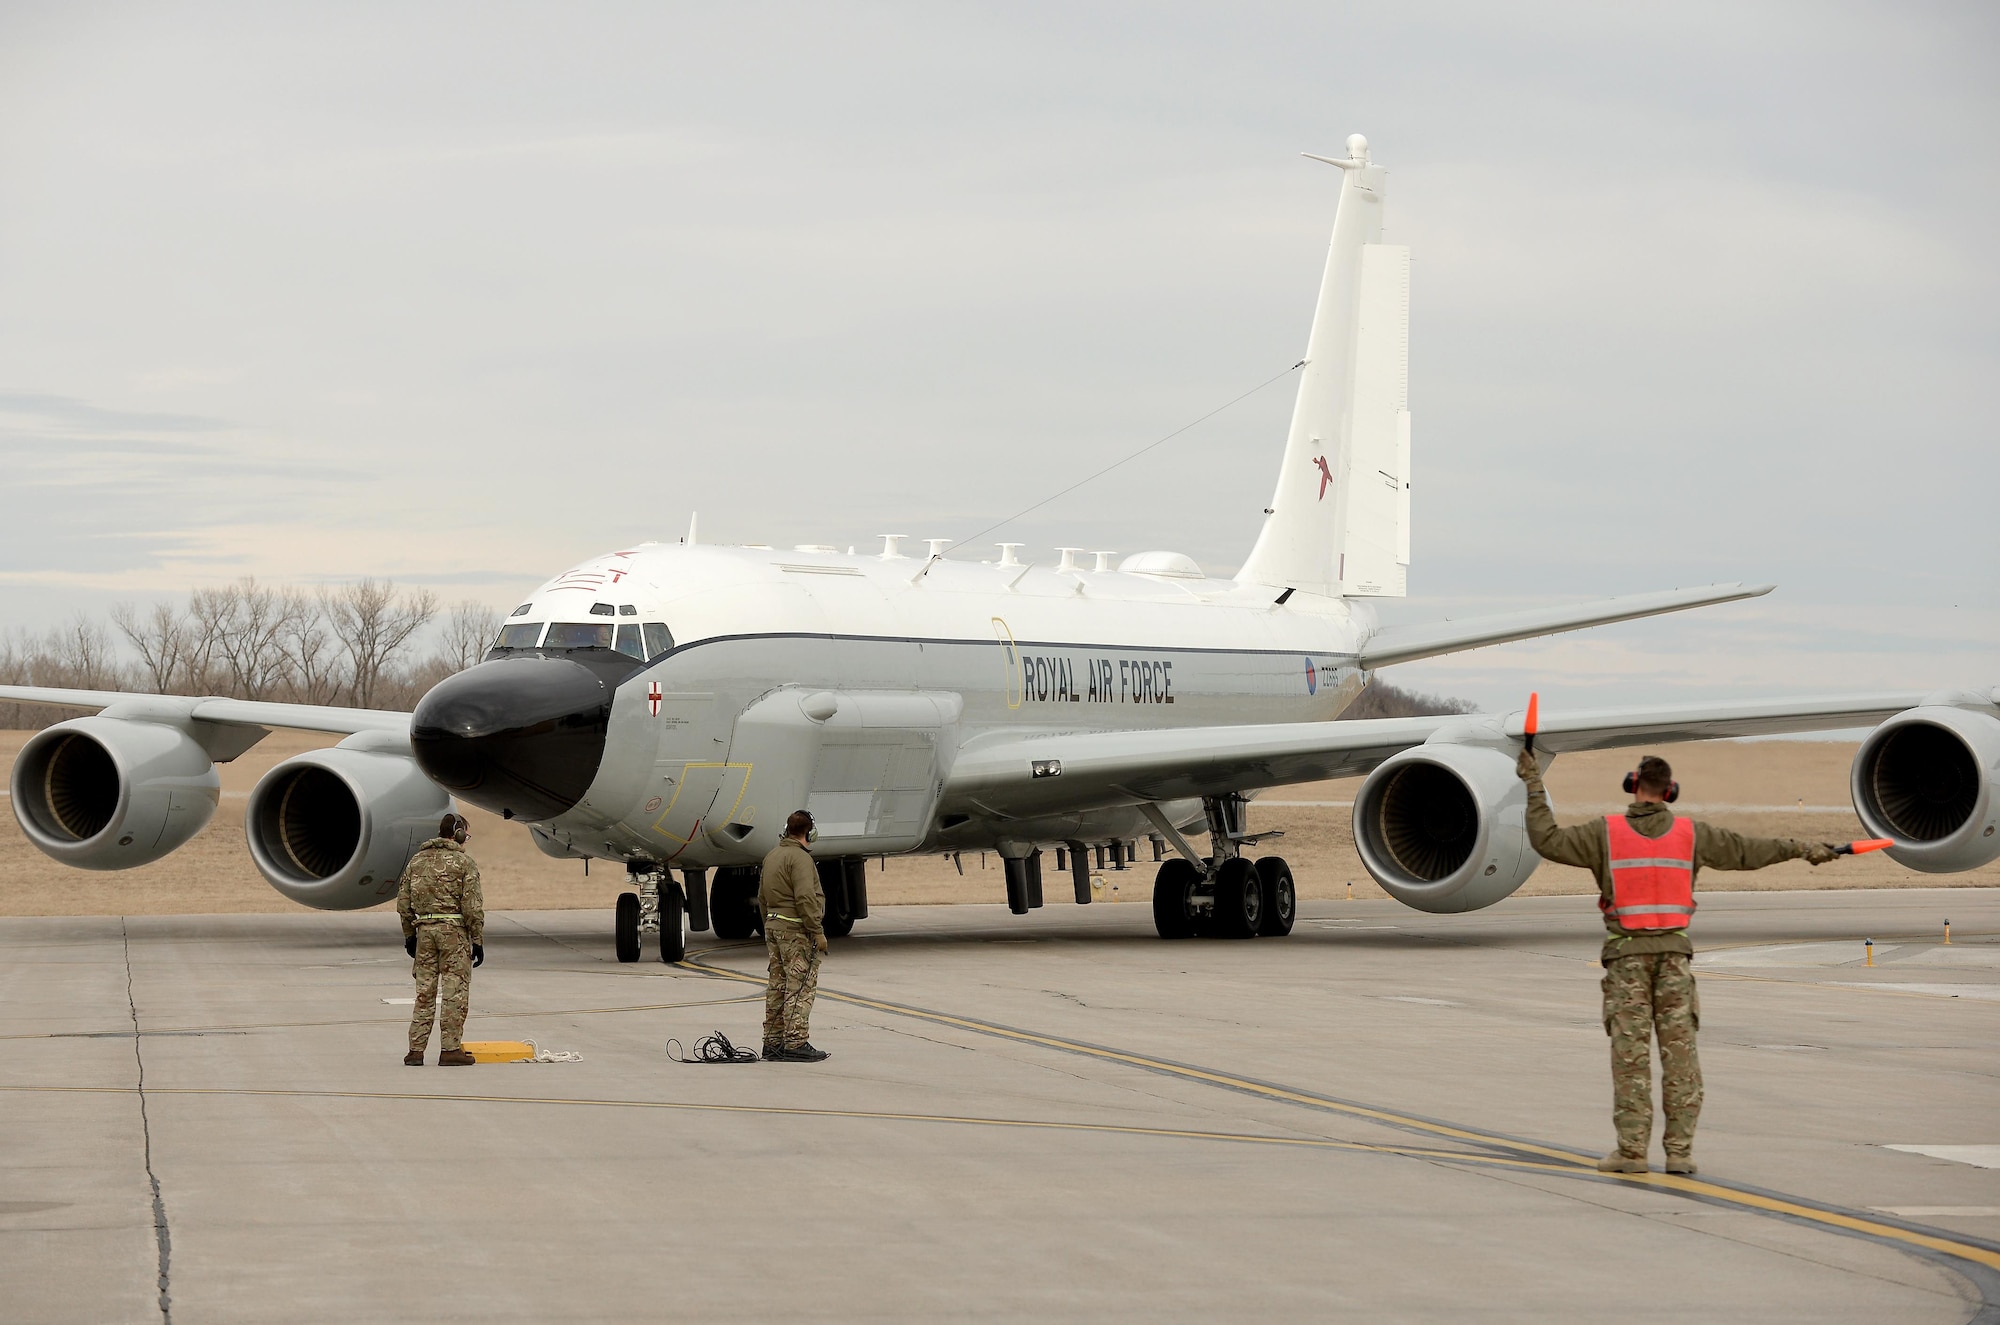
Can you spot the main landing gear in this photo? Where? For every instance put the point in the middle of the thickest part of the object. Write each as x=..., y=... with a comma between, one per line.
x=733, y=901
x=660, y=906
x=1228, y=895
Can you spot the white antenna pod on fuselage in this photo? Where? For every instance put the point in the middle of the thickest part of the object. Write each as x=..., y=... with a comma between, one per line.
x=1339, y=518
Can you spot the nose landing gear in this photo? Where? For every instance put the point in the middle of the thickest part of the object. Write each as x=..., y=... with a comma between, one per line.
x=659, y=907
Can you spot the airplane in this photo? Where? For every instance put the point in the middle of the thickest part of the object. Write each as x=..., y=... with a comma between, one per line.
x=666, y=706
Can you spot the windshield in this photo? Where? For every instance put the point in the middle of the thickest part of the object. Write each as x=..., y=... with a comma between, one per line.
x=578, y=635
x=522, y=635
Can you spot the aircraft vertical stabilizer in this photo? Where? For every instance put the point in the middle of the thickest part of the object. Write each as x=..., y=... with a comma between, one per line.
x=1340, y=517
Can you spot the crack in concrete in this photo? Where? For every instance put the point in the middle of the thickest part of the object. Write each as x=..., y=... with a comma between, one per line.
x=162, y=1237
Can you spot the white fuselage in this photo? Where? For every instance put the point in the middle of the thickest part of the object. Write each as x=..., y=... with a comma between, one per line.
x=713, y=743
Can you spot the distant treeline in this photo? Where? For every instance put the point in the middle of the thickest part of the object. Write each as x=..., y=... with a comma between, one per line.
x=1382, y=700
x=364, y=644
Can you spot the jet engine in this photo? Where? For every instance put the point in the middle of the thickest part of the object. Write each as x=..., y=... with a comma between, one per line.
x=1927, y=778
x=1443, y=827
x=106, y=793
x=333, y=828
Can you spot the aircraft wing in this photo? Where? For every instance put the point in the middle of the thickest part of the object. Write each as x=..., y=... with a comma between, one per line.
x=223, y=712
x=1016, y=775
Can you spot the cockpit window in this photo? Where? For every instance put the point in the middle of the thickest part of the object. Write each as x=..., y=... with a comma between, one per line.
x=626, y=609
x=522, y=610
x=658, y=639
x=578, y=635
x=521, y=635
x=629, y=642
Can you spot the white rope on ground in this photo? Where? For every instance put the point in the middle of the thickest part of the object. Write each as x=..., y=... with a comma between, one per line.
x=540, y=1055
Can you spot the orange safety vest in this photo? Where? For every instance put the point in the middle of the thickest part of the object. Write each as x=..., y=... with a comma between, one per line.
x=1652, y=878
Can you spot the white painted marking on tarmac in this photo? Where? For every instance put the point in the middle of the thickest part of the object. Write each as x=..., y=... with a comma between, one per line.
x=403, y=1002
x=1940, y=1211
x=1981, y=1157
x=1983, y=993
x=1412, y=998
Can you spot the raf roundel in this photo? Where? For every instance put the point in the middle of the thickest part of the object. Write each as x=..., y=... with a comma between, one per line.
x=1312, y=678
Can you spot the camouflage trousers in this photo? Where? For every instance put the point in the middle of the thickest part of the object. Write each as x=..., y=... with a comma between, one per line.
x=794, y=983
x=1641, y=993
x=444, y=984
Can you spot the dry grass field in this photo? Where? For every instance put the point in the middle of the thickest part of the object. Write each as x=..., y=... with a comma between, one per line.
x=213, y=873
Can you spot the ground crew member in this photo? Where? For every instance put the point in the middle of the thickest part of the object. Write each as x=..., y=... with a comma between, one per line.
x=793, y=908
x=1645, y=861
x=444, y=930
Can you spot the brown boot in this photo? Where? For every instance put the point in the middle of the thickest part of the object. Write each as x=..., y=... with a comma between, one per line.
x=414, y=1058
x=1615, y=1162
x=1680, y=1164
x=455, y=1058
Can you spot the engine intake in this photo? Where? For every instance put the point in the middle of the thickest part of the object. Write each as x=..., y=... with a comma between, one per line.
x=108, y=793
x=1443, y=827
x=1926, y=778
x=333, y=828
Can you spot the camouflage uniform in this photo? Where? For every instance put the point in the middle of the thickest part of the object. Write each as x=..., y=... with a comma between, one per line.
x=793, y=908
x=1648, y=974
x=438, y=900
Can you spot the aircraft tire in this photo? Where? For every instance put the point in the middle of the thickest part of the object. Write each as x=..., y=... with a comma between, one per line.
x=1239, y=900
x=839, y=919
x=673, y=927
x=625, y=927
x=1173, y=898
x=1281, y=897
x=732, y=904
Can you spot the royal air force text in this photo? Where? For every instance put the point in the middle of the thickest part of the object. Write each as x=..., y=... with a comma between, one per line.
x=1052, y=680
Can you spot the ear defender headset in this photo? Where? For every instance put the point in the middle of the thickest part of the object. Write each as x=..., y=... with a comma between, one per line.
x=1632, y=787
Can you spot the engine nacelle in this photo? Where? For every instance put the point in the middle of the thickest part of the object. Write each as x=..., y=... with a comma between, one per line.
x=333, y=828
x=1927, y=778
x=109, y=793
x=1444, y=827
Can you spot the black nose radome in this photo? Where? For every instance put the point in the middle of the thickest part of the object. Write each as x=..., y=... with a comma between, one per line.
x=520, y=736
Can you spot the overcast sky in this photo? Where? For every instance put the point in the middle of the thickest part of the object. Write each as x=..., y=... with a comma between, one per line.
x=464, y=294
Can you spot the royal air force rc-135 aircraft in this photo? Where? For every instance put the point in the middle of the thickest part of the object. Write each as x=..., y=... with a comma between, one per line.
x=668, y=705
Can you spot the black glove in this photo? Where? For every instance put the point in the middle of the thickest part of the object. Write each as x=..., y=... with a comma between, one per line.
x=478, y=954
x=410, y=946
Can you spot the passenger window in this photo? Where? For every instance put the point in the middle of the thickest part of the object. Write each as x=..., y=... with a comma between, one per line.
x=658, y=639
x=629, y=642
x=521, y=635
x=578, y=635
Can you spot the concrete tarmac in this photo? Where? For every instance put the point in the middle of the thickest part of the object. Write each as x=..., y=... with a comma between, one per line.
x=1387, y=1116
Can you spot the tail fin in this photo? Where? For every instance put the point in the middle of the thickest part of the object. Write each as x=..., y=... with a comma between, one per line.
x=1340, y=519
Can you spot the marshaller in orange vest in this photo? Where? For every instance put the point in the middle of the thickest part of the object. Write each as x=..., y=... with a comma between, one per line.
x=1646, y=861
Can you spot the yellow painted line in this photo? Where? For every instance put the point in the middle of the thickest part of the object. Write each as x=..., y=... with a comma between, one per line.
x=1570, y=1163
x=1203, y=1075
x=866, y=1115
x=1832, y=1218
x=370, y=1021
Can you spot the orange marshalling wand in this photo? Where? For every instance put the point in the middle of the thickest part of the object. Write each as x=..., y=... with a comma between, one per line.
x=1872, y=844
x=1534, y=718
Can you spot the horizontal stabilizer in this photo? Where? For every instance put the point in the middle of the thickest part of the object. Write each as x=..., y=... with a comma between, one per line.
x=1400, y=644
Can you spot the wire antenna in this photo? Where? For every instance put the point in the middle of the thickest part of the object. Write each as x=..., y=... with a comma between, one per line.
x=1134, y=456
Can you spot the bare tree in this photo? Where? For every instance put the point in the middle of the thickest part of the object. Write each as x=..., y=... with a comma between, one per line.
x=373, y=622
x=81, y=654
x=310, y=649
x=162, y=638
x=253, y=637
x=469, y=630
x=208, y=621
x=1382, y=700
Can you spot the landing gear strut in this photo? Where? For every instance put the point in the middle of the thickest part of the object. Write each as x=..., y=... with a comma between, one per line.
x=1227, y=895
x=659, y=907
